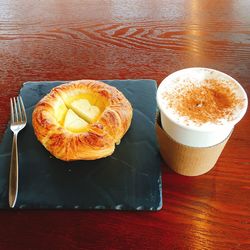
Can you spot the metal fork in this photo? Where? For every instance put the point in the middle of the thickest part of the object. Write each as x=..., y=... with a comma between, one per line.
x=18, y=122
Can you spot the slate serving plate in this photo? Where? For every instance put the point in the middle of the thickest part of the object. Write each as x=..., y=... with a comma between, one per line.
x=130, y=179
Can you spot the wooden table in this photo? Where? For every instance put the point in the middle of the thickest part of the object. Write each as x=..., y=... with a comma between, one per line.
x=121, y=39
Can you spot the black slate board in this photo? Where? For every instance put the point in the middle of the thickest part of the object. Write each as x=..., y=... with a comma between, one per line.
x=130, y=179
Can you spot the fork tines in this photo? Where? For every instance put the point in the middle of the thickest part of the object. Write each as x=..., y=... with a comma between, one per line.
x=17, y=110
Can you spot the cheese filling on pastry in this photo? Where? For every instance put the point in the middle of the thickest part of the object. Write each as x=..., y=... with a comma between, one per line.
x=73, y=122
x=76, y=115
x=85, y=110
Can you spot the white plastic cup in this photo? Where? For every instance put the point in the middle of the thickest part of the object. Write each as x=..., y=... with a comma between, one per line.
x=192, y=134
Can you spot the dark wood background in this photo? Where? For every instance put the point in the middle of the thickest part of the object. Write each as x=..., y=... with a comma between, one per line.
x=67, y=40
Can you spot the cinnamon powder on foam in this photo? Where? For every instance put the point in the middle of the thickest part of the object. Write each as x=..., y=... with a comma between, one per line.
x=211, y=101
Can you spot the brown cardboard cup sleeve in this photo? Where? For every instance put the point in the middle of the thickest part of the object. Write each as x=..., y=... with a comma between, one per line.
x=185, y=160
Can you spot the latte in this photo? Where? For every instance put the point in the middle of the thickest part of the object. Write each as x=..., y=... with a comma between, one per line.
x=200, y=106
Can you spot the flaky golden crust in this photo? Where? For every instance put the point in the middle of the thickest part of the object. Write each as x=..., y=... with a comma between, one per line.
x=100, y=137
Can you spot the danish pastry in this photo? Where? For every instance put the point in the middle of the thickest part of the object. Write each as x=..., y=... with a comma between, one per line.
x=82, y=120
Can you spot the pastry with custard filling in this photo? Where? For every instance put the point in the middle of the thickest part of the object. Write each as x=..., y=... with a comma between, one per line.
x=82, y=120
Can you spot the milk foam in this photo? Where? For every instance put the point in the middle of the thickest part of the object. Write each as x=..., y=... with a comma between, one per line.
x=174, y=83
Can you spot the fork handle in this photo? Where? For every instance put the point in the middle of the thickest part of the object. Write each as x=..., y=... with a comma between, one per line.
x=13, y=177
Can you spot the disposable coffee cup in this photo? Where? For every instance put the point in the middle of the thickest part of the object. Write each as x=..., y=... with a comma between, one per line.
x=199, y=108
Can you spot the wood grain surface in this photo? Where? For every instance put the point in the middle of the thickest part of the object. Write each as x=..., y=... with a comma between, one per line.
x=121, y=39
